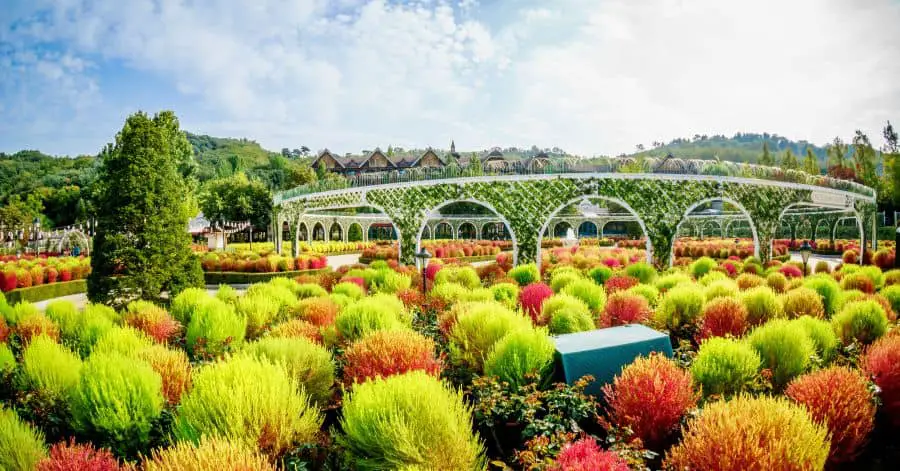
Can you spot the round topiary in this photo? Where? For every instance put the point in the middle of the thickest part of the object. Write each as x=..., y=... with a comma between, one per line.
x=478, y=328
x=882, y=363
x=524, y=274
x=722, y=317
x=751, y=433
x=211, y=453
x=409, y=421
x=250, y=401
x=643, y=271
x=532, y=297
x=701, y=266
x=777, y=282
x=648, y=292
x=49, y=369
x=464, y=276
x=650, y=396
x=307, y=363
x=680, y=307
x=591, y=293
x=388, y=352
x=748, y=280
x=600, y=274
x=506, y=294
x=215, y=329
x=802, y=302
x=821, y=334
x=378, y=312
x=762, y=304
x=726, y=288
x=667, y=282
x=784, y=347
x=839, y=398
x=828, y=289
x=861, y=322
x=560, y=279
x=563, y=302
x=725, y=366
x=519, y=354
x=623, y=308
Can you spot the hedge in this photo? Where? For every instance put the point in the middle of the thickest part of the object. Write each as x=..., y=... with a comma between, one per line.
x=472, y=259
x=236, y=277
x=34, y=294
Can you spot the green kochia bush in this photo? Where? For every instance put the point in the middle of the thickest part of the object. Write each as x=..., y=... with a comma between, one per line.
x=21, y=445
x=465, y=276
x=65, y=314
x=227, y=294
x=701, y=266
x=116, y=401
x=378, y=312
x=822, y=335
x=7, y=361
x=586, y=290
x=525, y=274
x=506, y=294
x=567, y=314
x=309, y=364
x=215, y=329
x=249, y=401
x=600, y=274
x=667, y=282
x=122, y=340
x=828, y=289
x=648, y=292
x=188, y=301
x=478, y=328
x=351, y=290
x=762, y=304
x=520, y=353
x=681, y=306
x=259, y=311
x=862, y=322
x=892, y=294
x=309, y=290
x=725, y=366
x=560, y=279
x=725, y=288
x=784, y=347
x=49, y=369
x=93, y=323
x=410, y=422
x=643, y=271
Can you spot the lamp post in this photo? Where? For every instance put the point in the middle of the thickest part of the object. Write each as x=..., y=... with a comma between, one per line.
x=423, y=257
x=805, y=251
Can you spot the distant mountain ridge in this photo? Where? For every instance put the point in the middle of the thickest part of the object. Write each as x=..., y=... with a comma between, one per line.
x=742, y=147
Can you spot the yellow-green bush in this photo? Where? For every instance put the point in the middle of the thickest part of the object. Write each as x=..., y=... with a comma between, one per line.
x=116, y=401
x=802, y=302
x=478, y=328
x=586, y=290
x=725, y=288
x=762, y=304
x=725, y=366
x=215, y=329
x=464, y=276
x=212, y=453
x=822, y=335
x=307, y=363
x=186, y=302
x=506, y=294
x=7, y=361
x=93, y=323
x=525, y=274
x=349, y=289
x=829, y=290
x=21, y=445
x=560, y=279
x=680, y=306
x=784, y=347
x=309, y=290
x=648, y=292
x=412, y=422
x=372, y=313
x=643, y=271
x=64, y=314
x=260, y=311
x=701, y=266
x=520, y=353
x=49, y=369
x=123, y=340
x=667, y=282
x=862, y=322
x=250, y=401
x=227, y=294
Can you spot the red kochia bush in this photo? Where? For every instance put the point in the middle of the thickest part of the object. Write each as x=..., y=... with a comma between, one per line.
x=411, y=297
x=839, y=398
x=317, y=311
x=77, y=457
x=882, y=363
x=389, y=352
x=650, y=396
x=432, y=270
x=153, y=321
x=850, y=256
x=723, y=317
x=790, y=271
x=624, y=308
x=532, y=297
x=585, y=455
x=9, y=280
x=619, y=283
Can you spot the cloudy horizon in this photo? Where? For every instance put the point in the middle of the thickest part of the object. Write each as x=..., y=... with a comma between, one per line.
x=590, y=77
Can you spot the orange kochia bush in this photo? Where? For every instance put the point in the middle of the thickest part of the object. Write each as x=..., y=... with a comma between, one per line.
x=723, y=317
x=388, y=352
x=840, y=398
x=153, y=320
x=882, y=363
x=297, y=328
x=317, y=311
x=650, y=396
x=78, y=457
x=624, y=308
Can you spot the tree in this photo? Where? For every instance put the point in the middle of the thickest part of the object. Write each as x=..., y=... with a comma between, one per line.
x=142, y=247
x=20, y=214
x=837, y=153
x=236, y=198
x=811, y=163
x=891, y=152
x=766, y=158
x=321, y=171
x=789, y=161
x=865, y=159
x=475, y=165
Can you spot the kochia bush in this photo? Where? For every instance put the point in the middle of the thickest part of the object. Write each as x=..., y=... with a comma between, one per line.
x=762, y=304
x=49, y=369
x=524, y=274
x=211, y=453
x=821, y=334
x=478, y=328
x=701, y=266
x=532, y=298
x=882, y=363
x=643, y=271
x=308, y=364
x=21, y=445
x=78, y=457
x=784, y=347
x=585, y=455
x=519, y=354
x=625, y=308
x=215, y=329
x=827, y=288
x=173, y=368
x=725, y=366
x=153, y=320
x=506, y=294
x=380, y=312
x=680, y=307
x=862, y=322
x=802, y=302
x=723, y=317
x=589, y=292
x=385, y=353
x=410, y=421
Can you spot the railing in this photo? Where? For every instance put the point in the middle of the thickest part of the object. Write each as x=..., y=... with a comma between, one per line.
x=617, y=165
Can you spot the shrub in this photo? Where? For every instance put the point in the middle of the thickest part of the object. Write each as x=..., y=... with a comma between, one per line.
x=380, y=312
x=827, y=288
x=259, y=312
x=892, y=277
x=465, y=276
x=384, y=353
x=790, y=271
x=310, y=290
x=152, y=320
x=317, y=311
x=858, y=281
x=524, y=274
x=589, y=292
x=751, y=433
x=721, y=289
x=723, y=317
x=802, y=302
x=839, y=398
x=64, y=314
x=227, y=294
x=173, y=368
x=874, y=274
x=21, y=445
x=585, y=455
x=520, y=354
x=725, y=366
x=701, y=266
x=308, y=364
x=862, y=322
x=186, y=302
x=478, y=328
x=777, y=282
x=122, y=340
x=74, y=457
x=248, y=401
x=568, y=321
x=648, y=292
x=351, y=290
x=117, y=400
x=650, y=396
x=680, y=307
x=50, y=369
x=784, y=347
x=600, y=274
x=892, y=294
x=850, y=256
x=822, y=267
x=762, y=304
x=211, y=453
x=532, y=298
x=746, y=281
x=410, y=421
x=882, y=363
x=33, y=324
x=821, y=334
x=214, y=330
x=295, y=328
x=506, y=294
x=625, y=308
x=620, y=283
x=7, y=361
x=563, y=302
x=643, y=271
x=667, y=282
x=850, y=296
x=711, y=278
x=560, y=279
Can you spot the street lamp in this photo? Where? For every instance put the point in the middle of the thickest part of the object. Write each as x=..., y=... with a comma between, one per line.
x=805, y=251
x=423, y=257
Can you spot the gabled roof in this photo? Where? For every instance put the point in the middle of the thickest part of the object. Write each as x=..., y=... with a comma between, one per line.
x=493, y=155
x=428, y=151
x=326, y=153
x=377, y=151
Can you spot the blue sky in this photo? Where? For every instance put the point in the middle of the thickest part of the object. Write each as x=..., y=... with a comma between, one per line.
x=590, y=76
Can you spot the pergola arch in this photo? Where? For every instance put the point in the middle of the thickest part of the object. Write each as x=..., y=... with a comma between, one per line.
x=560, y=229
x=350, y=232
x=467, y=230
x=741, y=208
x=442, y=228
x=584, y=231
x=318, y=232
x=426, y=232
x=436, y=209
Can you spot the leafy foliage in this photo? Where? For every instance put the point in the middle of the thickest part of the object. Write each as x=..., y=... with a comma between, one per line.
x=21, y=445
x=725, y=366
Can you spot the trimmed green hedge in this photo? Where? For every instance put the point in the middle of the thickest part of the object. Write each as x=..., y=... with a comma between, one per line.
x=48, y=291
x=236, y=277
x=479, y=258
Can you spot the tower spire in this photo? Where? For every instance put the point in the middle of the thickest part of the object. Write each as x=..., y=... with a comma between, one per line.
x=452, y=146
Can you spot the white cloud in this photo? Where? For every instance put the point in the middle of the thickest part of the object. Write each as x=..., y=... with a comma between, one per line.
x=588, y=76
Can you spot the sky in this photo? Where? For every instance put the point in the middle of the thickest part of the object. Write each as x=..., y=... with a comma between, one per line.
x=594, y=77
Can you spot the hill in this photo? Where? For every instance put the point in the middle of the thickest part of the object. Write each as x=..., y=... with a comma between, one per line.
x=739, y=148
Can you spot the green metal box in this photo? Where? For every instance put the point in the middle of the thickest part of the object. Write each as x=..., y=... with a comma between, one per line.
x=602, y=353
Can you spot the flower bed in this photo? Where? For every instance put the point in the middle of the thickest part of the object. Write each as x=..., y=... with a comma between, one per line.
x=316, y=247
x=445, y=249
x=251, y=262
x=25, y=272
